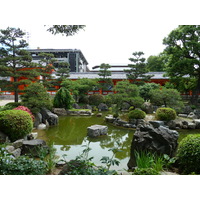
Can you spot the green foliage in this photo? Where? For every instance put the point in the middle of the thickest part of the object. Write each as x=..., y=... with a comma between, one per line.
x=148, y=163
x=188, y=154
x=15, y=61
x=126, y=93
x=165, y=114
x=145, y=171
x=63, y=99
x=167, y=97
x=182, y=51
x=15, y=123
x=82, y=165
x=156, y=63
x=36, y=97
x=138, y=69
x=20, y=166
x=67, y=30
x=109, y=161
x=145, y=90
x=136, y=114
x=80, y=87
x=105, y=83
x=96, y=99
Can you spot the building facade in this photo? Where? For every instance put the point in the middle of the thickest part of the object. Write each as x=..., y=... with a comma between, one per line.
x=75, y=58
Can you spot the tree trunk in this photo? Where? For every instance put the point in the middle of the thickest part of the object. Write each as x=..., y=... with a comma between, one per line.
x=195, y=93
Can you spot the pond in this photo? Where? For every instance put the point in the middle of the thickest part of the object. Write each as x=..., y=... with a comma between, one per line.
x=71, y=134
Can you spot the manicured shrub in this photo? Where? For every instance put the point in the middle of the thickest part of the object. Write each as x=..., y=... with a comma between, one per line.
x=96, y=99
x=36, y=97
x=63, y=99
x=165, y=114
x=15, y=123
x=25, y=109
x=188, y=154
x=136, y=114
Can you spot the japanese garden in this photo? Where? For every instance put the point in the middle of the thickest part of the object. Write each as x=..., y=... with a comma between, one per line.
x=63, y=120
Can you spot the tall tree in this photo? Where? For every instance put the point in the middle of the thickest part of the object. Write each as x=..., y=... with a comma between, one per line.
x=105, y=82
x=45, y=68
x=156, y=63
x=15, y=61
x=62, y=72
x=183, y=51
x=67, y=30
x=138, y=69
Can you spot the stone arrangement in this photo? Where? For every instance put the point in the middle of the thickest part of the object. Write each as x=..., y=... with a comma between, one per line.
x=97, y=130
x=153, y=137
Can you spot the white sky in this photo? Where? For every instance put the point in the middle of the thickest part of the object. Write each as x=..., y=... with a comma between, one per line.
x=107, y=43
x=114, y=29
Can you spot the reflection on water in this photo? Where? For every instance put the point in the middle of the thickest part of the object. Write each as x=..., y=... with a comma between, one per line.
x=71, y=133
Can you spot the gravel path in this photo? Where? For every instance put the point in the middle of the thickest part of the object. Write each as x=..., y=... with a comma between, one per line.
x=4, y=102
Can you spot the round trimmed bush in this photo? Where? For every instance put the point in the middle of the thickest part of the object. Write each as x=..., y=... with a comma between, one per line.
x=96, y=99
x=25, y=109
x=188, y=154
x=136, y=114
x=15, y=123
x=165, y=114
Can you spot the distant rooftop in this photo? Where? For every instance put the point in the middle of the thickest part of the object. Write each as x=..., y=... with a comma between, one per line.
x=114, y=68
x=114, y=75
x=58, y=51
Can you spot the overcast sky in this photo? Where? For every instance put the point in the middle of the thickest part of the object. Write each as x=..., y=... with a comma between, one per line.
x=107, y=43
x=114, y=29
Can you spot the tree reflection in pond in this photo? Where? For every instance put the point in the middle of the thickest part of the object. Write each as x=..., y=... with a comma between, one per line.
x=71, y=133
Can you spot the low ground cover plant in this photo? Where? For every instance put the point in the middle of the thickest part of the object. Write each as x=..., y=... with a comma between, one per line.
x=22, y=165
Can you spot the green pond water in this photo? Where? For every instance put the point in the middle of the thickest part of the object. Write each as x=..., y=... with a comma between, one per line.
x=71, y=133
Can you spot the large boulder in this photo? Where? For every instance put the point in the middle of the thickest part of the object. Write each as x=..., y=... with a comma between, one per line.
x=160, y=140
x=147, y=108
x=102, y=107
x=31, y=147
x=97, y=130
x=60, y=111
x=110, y=119
x=47, y=115
x=38, y=119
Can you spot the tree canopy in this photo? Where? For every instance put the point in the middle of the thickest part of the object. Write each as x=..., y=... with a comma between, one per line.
x=182, y=50
x=156, y=63
x=138, y=69
x=15, y=61
x=67, y=30
x=104, y=81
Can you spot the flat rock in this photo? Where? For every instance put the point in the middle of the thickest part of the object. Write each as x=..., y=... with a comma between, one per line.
x=97, y=130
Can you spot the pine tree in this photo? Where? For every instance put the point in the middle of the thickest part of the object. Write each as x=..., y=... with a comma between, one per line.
x=138, y=69
x=15, y=61
x=105, y=82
